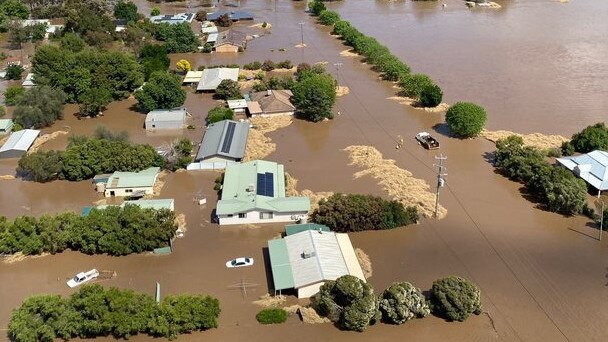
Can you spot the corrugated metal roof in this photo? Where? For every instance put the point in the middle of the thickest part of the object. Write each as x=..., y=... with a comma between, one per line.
x=237, y=199
x=212, y=77
x=592, y=167
x=20, y=140
x=291, y=229
x=216, y=136
x=237, y=104
x=233, y=15
x=282, y=274
x=5, y=124
x=160, y=115
x=144, y=178
x=212, y=38
x=173, y=18
x=193, y=77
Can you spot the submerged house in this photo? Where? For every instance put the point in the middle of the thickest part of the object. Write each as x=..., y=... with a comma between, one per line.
x=166, y=119
x=224, y=141
x=230, y=41
x=213, y=77
x=254, y=192
x=307, y=258
x=270, y=102
x=18, y=143
x=591, y=167
x=232, y=15
x=130, y=183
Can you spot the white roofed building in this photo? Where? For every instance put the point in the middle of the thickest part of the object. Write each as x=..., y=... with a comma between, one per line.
x=591, y=167
x=166, y=119
x=213, y=77
x=18, y=143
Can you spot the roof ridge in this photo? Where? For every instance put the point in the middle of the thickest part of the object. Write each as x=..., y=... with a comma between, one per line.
x=317, y=258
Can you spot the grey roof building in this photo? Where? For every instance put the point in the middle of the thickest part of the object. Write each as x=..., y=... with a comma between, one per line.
x=233, y=40
x=166, y=119
x=172, y=18
x=18, y=143
x=233, y=15
x=592, y=167
x=213, y=77
x=224, y=141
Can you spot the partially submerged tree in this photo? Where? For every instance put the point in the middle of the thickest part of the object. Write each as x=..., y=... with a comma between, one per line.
x=163, y=91
x=39, y=107
x=402, y=302
x=94, y=101
x=455, y=298
x=314, y=96
x=228, y=90
x=466, y=119
x=219, y=113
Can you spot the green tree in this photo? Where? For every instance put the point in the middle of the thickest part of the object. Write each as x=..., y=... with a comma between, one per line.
x=591, y=138
x=268, y=65
x=180, y=155
x=94, y=101
x=72, y=42
x=163, y=91
x=14, y=9
x=431, y=96
x=219, y=113
x=14, y=72
x=466, y=119
x=13, y=94
x=126, y=10
x=348, y=301
x=178, y=38
x=271, y=316
x=39, y=107
x=402, y=302
x=153, y=58
x=316, y=7
x=41, y=166
x=455, y=298
x=228, y=90
x=413, y=84
x=328, y=17
x=314, y=96
x=155, y=11
x=90, y=18
x=2, y=111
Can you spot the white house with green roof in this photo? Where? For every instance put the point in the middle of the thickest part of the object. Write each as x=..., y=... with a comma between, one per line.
x=129, y=183
x=254, y=192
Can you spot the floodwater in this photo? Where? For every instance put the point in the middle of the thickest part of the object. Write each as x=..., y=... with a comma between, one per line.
x=542, y=276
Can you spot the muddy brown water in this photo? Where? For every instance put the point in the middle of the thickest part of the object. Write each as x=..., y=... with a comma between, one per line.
x=543, y=276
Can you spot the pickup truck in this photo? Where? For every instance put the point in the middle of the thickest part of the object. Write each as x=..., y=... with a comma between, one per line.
x=427, y=141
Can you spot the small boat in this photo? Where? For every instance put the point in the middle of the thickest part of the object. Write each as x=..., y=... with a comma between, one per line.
x=427, y=141
x=83, y=277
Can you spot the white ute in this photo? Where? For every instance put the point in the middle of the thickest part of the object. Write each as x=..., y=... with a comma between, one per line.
x=83, y=277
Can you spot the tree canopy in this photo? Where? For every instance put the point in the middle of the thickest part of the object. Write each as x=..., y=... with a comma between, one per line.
x=178, y=38
x=154, y=57
x=402, y=302
x=126, y=10
x=314, y=96
x=39, y=107
x=228, y=90
x=455, y=298
x=594, y=137
x=162, y=91
x=219, y=113
x=465, y=119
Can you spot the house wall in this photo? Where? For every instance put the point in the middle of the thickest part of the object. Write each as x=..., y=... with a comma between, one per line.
x=12, y=154
x=310, y=290
x=227, y=48
x=152, y=125
x=123, y=192
x=265, y=115
x=254, y=217
x=218, y=159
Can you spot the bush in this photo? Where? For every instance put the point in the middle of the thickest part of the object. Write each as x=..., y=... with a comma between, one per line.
x=93, y=311
x=348, y=301
x=94, y=101
x=183, y=66
x=455, y=298
x=14, y=72
x=286, y=64
x=12, y=95
x=201, y=15
x=431, y=96
x=268, y=65
x=155, y=11
x=126, y=10
x=228, y=90
x=256, y=65
x=328, y=17
x=2, y=111
x=41, y=166
x=567, y=148
x=591, y=138
x=353, y=213
x=413, y=84
x=316, y=7
x=314, y=96
x=272, y=316
x=402, y=302
x=219, y=113
x=163, y=91
x=465, y=119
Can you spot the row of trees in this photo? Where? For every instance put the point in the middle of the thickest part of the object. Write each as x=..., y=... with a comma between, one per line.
x=351, y=303
x=419, y=87
x=94, y=311
x=86, y=157
x=268, y=65
x=114, y=230
x=558, y=189
x=353, y=213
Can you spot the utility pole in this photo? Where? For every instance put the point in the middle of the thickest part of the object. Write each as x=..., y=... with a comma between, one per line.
x=302, y=32
x=338, y=65
x=440, y=179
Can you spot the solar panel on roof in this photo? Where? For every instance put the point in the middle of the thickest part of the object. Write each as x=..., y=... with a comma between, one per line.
x=265, y=184
x=228, y=137
x=269, y=185
x=261, y=188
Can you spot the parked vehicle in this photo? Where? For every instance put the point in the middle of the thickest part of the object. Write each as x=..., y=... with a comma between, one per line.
x=427, y=141
x=83, y=277
x=239, y=262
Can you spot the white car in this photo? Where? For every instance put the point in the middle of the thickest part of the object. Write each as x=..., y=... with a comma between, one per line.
x=239, y=262
x=83, y=277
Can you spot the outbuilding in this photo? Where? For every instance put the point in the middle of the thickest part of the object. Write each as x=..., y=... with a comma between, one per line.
x=29, y=81
x=224, y=141
x=131, y=183
x=304, y=261
x=18, y=143
x=192, y=77
x=6, y=125
x=166, y=119
x=232, y=15
x=238, y=106
x=213, y=77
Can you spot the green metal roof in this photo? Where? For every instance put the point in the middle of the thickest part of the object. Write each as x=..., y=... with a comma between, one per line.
x=143, y=178
x=282, y=274
x=298, y=228
x=237, y=199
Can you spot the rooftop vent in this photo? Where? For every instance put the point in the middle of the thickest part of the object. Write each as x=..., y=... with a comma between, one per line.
x=251, y=187
x=307, y=255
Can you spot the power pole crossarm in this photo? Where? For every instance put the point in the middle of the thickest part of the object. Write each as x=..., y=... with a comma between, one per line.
x=441, y=173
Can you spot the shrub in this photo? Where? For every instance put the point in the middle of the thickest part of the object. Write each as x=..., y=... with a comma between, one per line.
x=271, y=316
x=567, y=148
x=264, y=24
x=207, y=48
x=268, y=65
x=12, y=95
x=455, y=298
x=591, y=138
x=348, y=301
x=201, y=15
x=183, y=66
x=352, y=213
x=228, y=90
x=155, y=11
x=402, y=302
x=126, y=10
x=14, y=72
x=413, y=84
x=2, y=111
x=328, y=17
x=431, y=96
x=466, y=119
x=219, y=113
x=41, y=166
x=316, y=7
x=286, y=64
x=256, y=65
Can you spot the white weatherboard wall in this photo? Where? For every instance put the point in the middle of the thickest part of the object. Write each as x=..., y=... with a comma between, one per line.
x=123, y=192
x=207, y=166
x=152, y=125
x=254, y=217
x=310, y=290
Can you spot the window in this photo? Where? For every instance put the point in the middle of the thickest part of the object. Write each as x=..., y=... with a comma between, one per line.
x=242, y=215
x=230, y=215
x=266, y=216
x=129, y=190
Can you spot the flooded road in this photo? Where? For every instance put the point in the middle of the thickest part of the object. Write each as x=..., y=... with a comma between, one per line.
x=542, y=275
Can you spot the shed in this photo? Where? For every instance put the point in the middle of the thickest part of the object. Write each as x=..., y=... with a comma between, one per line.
x=306, y=260
x=29, y=81
x=18, y=143
x=192, y=77
x=6, y=125
x=224, y=141
x=212, y=38
x=172, y=19
x=238, y=106
x=166, y=119
x=213, y=77
x=128, y=183
x=209, y=29
x=233, y=15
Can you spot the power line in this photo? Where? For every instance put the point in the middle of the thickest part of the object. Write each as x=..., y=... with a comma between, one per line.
x=440, y=179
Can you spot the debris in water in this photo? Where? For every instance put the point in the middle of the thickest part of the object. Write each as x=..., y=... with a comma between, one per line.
x=537, y=140
x=44, y=139
x=268, y=300
x=259, y=146
x=365, y=262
